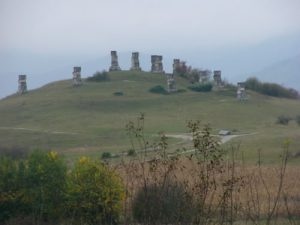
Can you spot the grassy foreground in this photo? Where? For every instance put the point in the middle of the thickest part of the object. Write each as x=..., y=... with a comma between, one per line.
x=90, y=119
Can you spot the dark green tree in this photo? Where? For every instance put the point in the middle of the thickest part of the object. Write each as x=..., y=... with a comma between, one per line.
x=45, y=185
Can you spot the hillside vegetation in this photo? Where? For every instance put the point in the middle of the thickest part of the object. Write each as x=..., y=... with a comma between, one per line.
x=91, y=119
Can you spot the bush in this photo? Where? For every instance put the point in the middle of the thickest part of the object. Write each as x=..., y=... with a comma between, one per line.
x=271, y=89
x=207, y=87
x=162, y=203
x=106, y=155
x=131, y=152
x=181, y=90
x=158, y=90
x=95, y=193
x=254, y=84
x=34, y=187
x=118, y=93
x=99, y=77
x=11, y=188
x=284, y=120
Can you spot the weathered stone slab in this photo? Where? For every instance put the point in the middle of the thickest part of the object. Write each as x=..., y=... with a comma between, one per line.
x=114, y=62
x=241, y=91
x=22, y=87
x=76, y=75
x=157, y=65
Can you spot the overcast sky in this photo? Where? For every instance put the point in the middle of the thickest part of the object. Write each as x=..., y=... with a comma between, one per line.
x=97, y=26
x=46, y=38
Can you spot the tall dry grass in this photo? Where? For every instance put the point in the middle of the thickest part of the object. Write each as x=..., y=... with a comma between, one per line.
x=215, y=189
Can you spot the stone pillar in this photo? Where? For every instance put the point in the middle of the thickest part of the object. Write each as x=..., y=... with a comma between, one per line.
x=217, y=80
x=157, y=65
x=204, y=76
x=135, y=63
x=114, y=62
x=76, y=75
x=241, y=91
x=22, y=88
x=171, y=83
x=176, y=65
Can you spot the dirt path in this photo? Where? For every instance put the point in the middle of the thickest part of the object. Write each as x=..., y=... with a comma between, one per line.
x=37, y=130
x=223, y=139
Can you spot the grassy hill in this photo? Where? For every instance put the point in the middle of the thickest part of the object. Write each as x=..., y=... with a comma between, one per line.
x=90, y=119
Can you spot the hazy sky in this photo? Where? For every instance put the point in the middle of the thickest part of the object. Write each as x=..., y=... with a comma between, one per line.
x=97, y=26
x=46, y=38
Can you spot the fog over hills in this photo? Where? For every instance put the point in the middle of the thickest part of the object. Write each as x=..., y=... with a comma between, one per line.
x=275, y=60
x=45, y=39
x=285, y=72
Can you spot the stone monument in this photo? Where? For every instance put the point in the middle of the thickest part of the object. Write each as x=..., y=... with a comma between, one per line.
x=241, y=91
x=135, y=63
x=171, y=83
x=204, y=76
x=22, y=88
x=176, y=65
x=179, y=67
x=76, y=75
x=114, y=62
x=217, y=78
x=157, y=65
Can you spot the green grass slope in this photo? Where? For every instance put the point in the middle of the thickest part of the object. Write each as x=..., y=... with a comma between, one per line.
x=90, y=119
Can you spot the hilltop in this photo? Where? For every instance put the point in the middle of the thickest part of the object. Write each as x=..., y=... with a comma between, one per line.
x=91, y=119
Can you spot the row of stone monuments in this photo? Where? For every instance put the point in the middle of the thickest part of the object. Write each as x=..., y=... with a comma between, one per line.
x=156, y=61
x=171, y=82
x=156, y=67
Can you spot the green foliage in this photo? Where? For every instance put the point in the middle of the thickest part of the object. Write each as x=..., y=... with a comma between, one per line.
x=181, y=90
x=106, y=155
x=45, y=185
x=34, y=187
x=230, y=86
x=118, y=93
x=40, y=189
x=271, y=89
x=158, y=89
x=206, y=87
x=95, y=193
x=284, y=120
x=254, y=84
x=99, y=77
x=131, y=152
x=11, y=188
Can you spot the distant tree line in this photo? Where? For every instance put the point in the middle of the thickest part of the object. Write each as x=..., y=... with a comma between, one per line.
x=99, y=77
x=271, y=89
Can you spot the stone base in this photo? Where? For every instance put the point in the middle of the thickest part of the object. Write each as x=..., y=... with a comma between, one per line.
x=158, y=71
x=76, y=82
x=138, y=69
x=114, y=68
x=217, y=88
x=172, y=90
